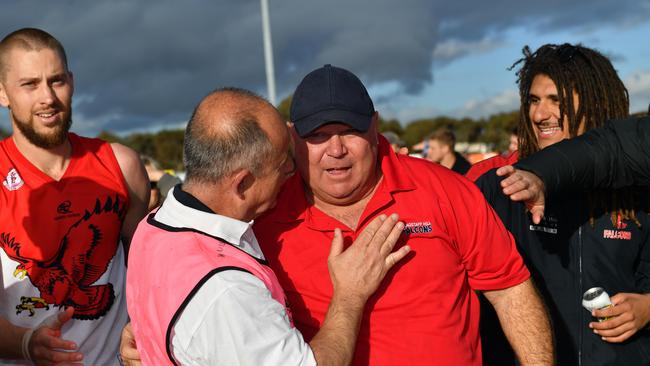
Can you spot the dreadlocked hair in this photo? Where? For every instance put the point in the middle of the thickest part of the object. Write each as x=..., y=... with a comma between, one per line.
x=581, y=71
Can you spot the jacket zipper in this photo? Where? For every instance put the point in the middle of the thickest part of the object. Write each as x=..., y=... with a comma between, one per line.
x=580, y=295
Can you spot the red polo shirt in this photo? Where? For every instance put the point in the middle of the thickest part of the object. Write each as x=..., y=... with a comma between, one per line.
x=425, y=312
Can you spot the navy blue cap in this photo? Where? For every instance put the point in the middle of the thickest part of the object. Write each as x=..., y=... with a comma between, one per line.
x=330, y=94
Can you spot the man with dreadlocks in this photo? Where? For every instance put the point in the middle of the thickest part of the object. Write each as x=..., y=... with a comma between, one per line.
x=594, y=239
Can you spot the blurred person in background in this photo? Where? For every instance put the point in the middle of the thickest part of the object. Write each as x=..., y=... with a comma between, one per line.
x=161, y=181
x=513, y=144
x=508, y=157
x=441, y=150
x=393, y=139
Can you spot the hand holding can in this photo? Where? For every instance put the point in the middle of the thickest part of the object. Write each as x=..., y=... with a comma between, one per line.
x=596, y=298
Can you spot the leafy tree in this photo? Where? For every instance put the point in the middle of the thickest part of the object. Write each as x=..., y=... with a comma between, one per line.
x=285, y=106
x=143, y=143
x=169, y=148
x=415, y=131
x=498, y=128
x=110, y=137
x=391, y=125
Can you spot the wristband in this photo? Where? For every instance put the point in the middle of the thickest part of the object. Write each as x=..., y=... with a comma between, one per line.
x=25, y=344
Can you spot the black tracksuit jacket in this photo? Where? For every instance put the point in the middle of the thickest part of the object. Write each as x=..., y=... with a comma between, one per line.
x=566, y=257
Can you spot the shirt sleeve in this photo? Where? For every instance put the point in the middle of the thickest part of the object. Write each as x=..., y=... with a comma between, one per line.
x=615, y=156
x=233, y=320
x=487, y=249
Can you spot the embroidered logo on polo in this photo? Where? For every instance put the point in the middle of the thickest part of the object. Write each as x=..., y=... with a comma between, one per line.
x=13, y=181
x=417, y=228
x=549, y=224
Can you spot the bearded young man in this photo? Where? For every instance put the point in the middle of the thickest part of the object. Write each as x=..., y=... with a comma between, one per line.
x=65, y=204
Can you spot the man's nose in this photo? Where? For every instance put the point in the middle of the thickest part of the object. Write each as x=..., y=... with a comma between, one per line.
x=336, y=146
x=47, y=95
x=542, y=112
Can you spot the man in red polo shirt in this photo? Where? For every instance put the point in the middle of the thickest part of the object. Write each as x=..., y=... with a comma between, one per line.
x=427, y=312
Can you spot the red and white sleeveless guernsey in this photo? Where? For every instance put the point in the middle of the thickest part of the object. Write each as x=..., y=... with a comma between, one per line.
x=60, y=246
x=167, y=266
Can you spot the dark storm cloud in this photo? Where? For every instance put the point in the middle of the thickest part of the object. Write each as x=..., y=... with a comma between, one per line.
x=143, y=63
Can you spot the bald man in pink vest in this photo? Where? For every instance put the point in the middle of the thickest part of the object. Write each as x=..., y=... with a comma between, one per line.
x=199, y=290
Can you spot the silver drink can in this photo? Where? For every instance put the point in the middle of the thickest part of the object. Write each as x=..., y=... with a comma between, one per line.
x=596, y=298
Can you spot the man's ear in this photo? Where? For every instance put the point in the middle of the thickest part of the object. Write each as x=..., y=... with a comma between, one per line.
x=292, y=130
x=240, y=182
x=373, y=129
x=71, y=82
x=4, y=99
x=374, y=122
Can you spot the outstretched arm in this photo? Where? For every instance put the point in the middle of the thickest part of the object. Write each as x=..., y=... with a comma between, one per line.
x=525, y=322
x=614, y=156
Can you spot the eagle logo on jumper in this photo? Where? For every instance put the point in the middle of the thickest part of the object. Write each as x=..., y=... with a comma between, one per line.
x=66, y=275
x=13, y=181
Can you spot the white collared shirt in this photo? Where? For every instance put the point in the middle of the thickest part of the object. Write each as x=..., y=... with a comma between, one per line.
x=232, y=319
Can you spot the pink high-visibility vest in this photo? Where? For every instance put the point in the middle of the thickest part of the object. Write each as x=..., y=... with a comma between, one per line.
x=166, y=268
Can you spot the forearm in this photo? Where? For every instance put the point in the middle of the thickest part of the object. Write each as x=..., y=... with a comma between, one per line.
x=335, y=342
x=11, y=344
x=525, y=322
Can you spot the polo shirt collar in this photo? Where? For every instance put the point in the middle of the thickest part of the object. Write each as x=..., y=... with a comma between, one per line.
x=396, y=180
x=182, y=210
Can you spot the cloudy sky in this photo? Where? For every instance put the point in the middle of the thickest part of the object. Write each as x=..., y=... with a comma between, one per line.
x=143, y=65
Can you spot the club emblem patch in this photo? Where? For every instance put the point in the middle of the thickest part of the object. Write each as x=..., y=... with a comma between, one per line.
x=13, y=181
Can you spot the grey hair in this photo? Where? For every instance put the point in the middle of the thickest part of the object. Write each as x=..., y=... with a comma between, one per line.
x=211, y=156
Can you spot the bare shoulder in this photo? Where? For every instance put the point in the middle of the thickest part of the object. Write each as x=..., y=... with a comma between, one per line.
x=127, y=158
x=137, y=184
x=132, y=168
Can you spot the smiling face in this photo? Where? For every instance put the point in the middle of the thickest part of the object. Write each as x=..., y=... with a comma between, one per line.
x=37, y=88
x=338, y=163
x=544, y=112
